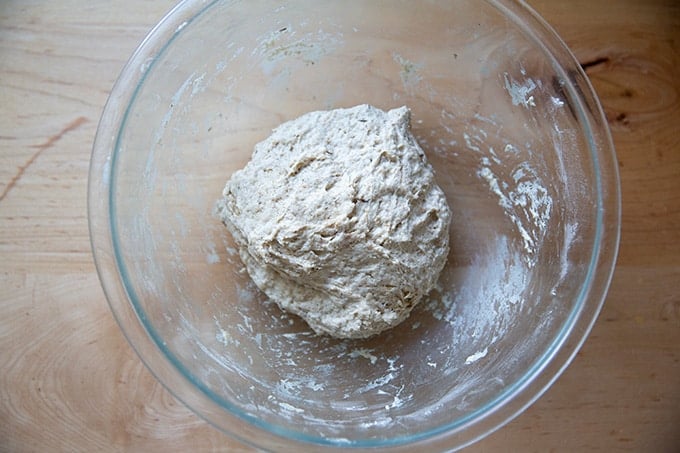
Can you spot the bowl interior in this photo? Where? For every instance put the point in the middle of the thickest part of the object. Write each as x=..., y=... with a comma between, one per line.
x=502, y=126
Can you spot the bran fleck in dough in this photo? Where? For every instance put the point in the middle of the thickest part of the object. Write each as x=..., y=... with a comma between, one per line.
x=338, y=219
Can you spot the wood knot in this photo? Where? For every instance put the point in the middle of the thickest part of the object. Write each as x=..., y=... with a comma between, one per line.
x=622, y=118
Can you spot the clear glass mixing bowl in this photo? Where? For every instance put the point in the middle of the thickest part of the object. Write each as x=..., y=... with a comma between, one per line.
x=518, y=142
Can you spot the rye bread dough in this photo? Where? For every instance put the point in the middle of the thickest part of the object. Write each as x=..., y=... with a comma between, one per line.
x=339, y=220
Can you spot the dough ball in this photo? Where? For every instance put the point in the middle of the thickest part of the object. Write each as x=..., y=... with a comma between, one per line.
x=338, y=219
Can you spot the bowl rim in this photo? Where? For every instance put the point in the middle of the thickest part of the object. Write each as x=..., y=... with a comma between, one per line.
x=170, y=372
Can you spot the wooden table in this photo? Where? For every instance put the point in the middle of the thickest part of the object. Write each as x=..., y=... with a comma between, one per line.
x=70, y=382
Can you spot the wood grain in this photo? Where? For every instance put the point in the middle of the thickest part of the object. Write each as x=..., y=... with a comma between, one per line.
x=69, y=380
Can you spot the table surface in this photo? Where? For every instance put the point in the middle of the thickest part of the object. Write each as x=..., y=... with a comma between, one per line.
x=69, y=380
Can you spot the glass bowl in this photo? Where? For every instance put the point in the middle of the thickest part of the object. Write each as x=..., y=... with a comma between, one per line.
x=518, y=142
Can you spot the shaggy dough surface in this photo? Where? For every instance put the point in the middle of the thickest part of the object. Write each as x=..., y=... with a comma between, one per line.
x=339, y=220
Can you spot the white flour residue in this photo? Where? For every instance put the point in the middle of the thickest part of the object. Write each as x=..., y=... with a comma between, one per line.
x=570, y=235
x=498, y=285
x=198, y=86
x=476, y=356
x=290, y=408
x=397, y=401
x=475, y=139
x=175, y=102
x=521, y=193
x=378, y=382
x=479, y=310
x=211, y=257
x=556, y=102
x=570, y=231
x=223, y=337
x=379, y=422
x=293, y=385
x=441, y=308
x=365, y=353
x=470, y=143
x=524, y=199
x=409, y=71
x=521, y=92
x=286, y=42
